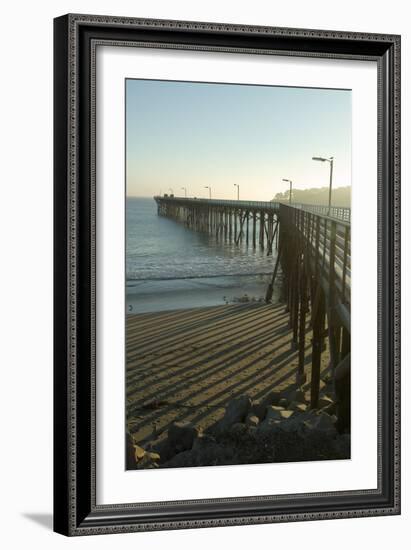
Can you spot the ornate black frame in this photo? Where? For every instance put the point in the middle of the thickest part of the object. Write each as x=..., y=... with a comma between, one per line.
x=75, y=40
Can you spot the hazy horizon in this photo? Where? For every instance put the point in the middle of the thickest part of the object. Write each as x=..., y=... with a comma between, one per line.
x=192, y=135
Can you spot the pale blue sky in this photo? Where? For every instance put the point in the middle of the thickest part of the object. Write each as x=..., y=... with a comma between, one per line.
x=183, y=134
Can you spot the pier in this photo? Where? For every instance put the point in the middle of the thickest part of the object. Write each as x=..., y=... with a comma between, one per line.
x=312, y=245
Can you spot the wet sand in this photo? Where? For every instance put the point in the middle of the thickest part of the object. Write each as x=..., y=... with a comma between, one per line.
x=186, y=365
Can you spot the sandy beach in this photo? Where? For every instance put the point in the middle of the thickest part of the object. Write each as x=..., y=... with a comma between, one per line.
x=187, y=365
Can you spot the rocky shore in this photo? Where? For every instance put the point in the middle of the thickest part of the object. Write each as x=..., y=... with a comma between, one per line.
x=279, y=428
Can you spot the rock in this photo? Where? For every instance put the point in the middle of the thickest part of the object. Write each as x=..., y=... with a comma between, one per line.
x=268, y=425
x=252, y=420
x=324, y=401
x=278, y=413
x=182, y=460
x=258, y=409
x=181, y=435
x=238, y=429
x=323, y=422
x=273, y=413
x=299, y=396
x=253, y=430
x=330, y=409
x=236, y=411
x=130, y=452
x=155, y=457
x=139, y=452
x=273, y=398
x=149, y=460
x=283, y=402
x=342, y=445
x=162, y=447
x=203, y=441
x=286, y=414
x=297, y=407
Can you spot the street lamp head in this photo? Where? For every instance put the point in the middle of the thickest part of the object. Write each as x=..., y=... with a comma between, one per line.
x=286, y=180
x=321, y=159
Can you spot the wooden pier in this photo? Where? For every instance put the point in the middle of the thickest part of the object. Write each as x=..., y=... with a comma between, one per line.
x=313, y=252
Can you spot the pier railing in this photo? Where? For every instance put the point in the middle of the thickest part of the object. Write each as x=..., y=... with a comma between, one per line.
x=338, y=212
x=315, y=254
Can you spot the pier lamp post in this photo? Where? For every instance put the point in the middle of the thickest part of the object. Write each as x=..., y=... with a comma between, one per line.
x=291, y=187
x=185, y=191
x=209, y=189
x=238, y=190
x=331, y=161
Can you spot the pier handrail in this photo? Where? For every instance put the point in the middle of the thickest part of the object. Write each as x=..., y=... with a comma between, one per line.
x=326, y=245
x=338, y=212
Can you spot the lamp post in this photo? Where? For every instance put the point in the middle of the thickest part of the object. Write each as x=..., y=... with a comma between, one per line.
x=185, y=191
x=209, y=189
x=238, y=190
x=331, y=161
x=291, y=187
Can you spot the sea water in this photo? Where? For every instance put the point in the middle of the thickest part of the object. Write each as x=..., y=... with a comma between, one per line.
x=169, y=266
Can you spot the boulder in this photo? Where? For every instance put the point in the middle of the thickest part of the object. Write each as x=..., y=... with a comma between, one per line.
x=130, y=452
x=283, y=402
x=252, y=420
x=268, y=426
x=286, y=414
x=273, y=413
x=322, y=422
x=162, y=447
x=278, y=413
x=342, y=445
x=203, y=441
x=238, y=429
x=258, y=409
x=298, y=407
x=139, y=452
x=236, y=411
x=274, y=397
x=181, y=435
x=330, y=409
x=299, y=396
x=150, y=460
x=324, y=401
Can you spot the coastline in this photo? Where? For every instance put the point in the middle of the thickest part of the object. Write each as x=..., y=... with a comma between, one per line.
x=149, y=296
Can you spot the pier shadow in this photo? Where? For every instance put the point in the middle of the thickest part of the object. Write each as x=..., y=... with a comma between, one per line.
x=188, y=365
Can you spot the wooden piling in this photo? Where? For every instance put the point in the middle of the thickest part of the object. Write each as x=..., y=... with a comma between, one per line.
x=318, y=323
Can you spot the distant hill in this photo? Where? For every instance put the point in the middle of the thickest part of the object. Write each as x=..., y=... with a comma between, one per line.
x=341, y=196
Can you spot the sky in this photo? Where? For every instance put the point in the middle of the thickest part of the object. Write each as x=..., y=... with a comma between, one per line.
x=192, y=135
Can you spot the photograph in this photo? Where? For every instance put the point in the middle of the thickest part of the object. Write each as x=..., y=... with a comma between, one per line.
x=237, y=274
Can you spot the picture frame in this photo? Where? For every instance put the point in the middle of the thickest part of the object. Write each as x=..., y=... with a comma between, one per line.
x=76, y=511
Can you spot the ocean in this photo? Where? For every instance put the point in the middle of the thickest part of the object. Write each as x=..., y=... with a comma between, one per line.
x=169, y=266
